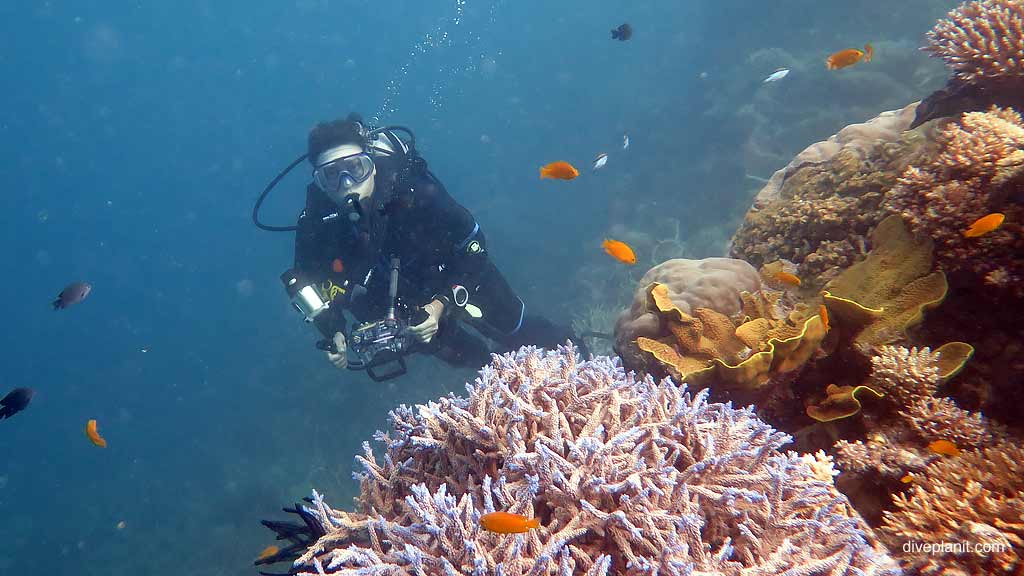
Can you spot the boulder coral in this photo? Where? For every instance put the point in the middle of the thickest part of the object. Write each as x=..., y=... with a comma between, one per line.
x=817, y=211
x=712, y=283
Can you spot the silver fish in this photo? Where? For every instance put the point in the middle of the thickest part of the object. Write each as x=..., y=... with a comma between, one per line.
x=72, y=294
x=776, y=76
x=600, y=161
x=625, y=141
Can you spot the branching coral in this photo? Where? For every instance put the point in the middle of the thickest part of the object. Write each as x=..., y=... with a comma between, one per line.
x=982, y=44
x=981, y=40
x=627, y=476
x=968, y=511
x=903, y=423
x=979, y=170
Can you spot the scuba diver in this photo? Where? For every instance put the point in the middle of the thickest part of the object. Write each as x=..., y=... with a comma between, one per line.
x=388, y=263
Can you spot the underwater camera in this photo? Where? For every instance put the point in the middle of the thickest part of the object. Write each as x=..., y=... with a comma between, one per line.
x=372, y=346
x=384, y=342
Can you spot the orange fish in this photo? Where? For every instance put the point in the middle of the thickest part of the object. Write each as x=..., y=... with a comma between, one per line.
x=869, y=52
x=787, y=278
x=907, y=479
x=561, y=170
x=620, y=251
x=337, y=266
x=944, y=447
x=506, y=523
x=823, y=312
x=268, y=552
x=848, y=57
x=94, y=435
x=985, y=224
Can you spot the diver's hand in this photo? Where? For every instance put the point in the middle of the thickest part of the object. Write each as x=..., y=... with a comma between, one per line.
x=425, y=331
x=340, y=360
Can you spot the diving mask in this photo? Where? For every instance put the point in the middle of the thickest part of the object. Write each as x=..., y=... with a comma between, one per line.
x=343, y=173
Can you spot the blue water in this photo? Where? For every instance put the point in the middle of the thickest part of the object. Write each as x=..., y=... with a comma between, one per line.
x=134, y=138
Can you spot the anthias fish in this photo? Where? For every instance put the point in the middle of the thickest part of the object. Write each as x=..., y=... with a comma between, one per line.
x=94, y=434
x=622, y=33
x=560, y=170
x=72, y=294
x=268, y=552
x=944, y=447
x=985, y=224
x=15, y=401
x=619, y=250
x=849, y=57
x=787, y=279
x=507, y=523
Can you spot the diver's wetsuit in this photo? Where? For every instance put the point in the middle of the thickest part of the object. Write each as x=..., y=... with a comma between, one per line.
x=439, y=244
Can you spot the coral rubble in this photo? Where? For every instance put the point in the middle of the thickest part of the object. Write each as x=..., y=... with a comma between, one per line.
x=626, y=475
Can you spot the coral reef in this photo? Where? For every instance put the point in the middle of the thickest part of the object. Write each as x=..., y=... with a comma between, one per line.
x=978, y=170
x=713, y=283
x=737, y=361
x=626, y=475
x=877, y=299
x=904, y=421
x=981, y=40
x=968, y=509
x=816, y=212
x=982, y=44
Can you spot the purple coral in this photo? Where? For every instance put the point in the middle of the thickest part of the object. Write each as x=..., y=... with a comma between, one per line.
x=627, y=475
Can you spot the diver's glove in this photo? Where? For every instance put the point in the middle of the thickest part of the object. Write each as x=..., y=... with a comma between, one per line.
x=424, y=331
x=340, y=360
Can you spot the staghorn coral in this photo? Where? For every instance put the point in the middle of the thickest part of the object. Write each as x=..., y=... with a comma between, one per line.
x=627, y=476
x=981, y=40
x=817, y=211
x=973, y=505
x=978, y=170
x=903, y=422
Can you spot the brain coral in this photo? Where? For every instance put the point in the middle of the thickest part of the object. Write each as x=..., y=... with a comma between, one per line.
x=713, y=283
x=626, y=476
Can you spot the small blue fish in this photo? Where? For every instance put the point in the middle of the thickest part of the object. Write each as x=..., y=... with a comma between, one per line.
x=72, y=294
x=15, y=401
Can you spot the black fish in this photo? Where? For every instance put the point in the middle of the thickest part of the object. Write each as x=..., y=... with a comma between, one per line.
x=73, y=294
x=622, y=33
x=15, y=401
